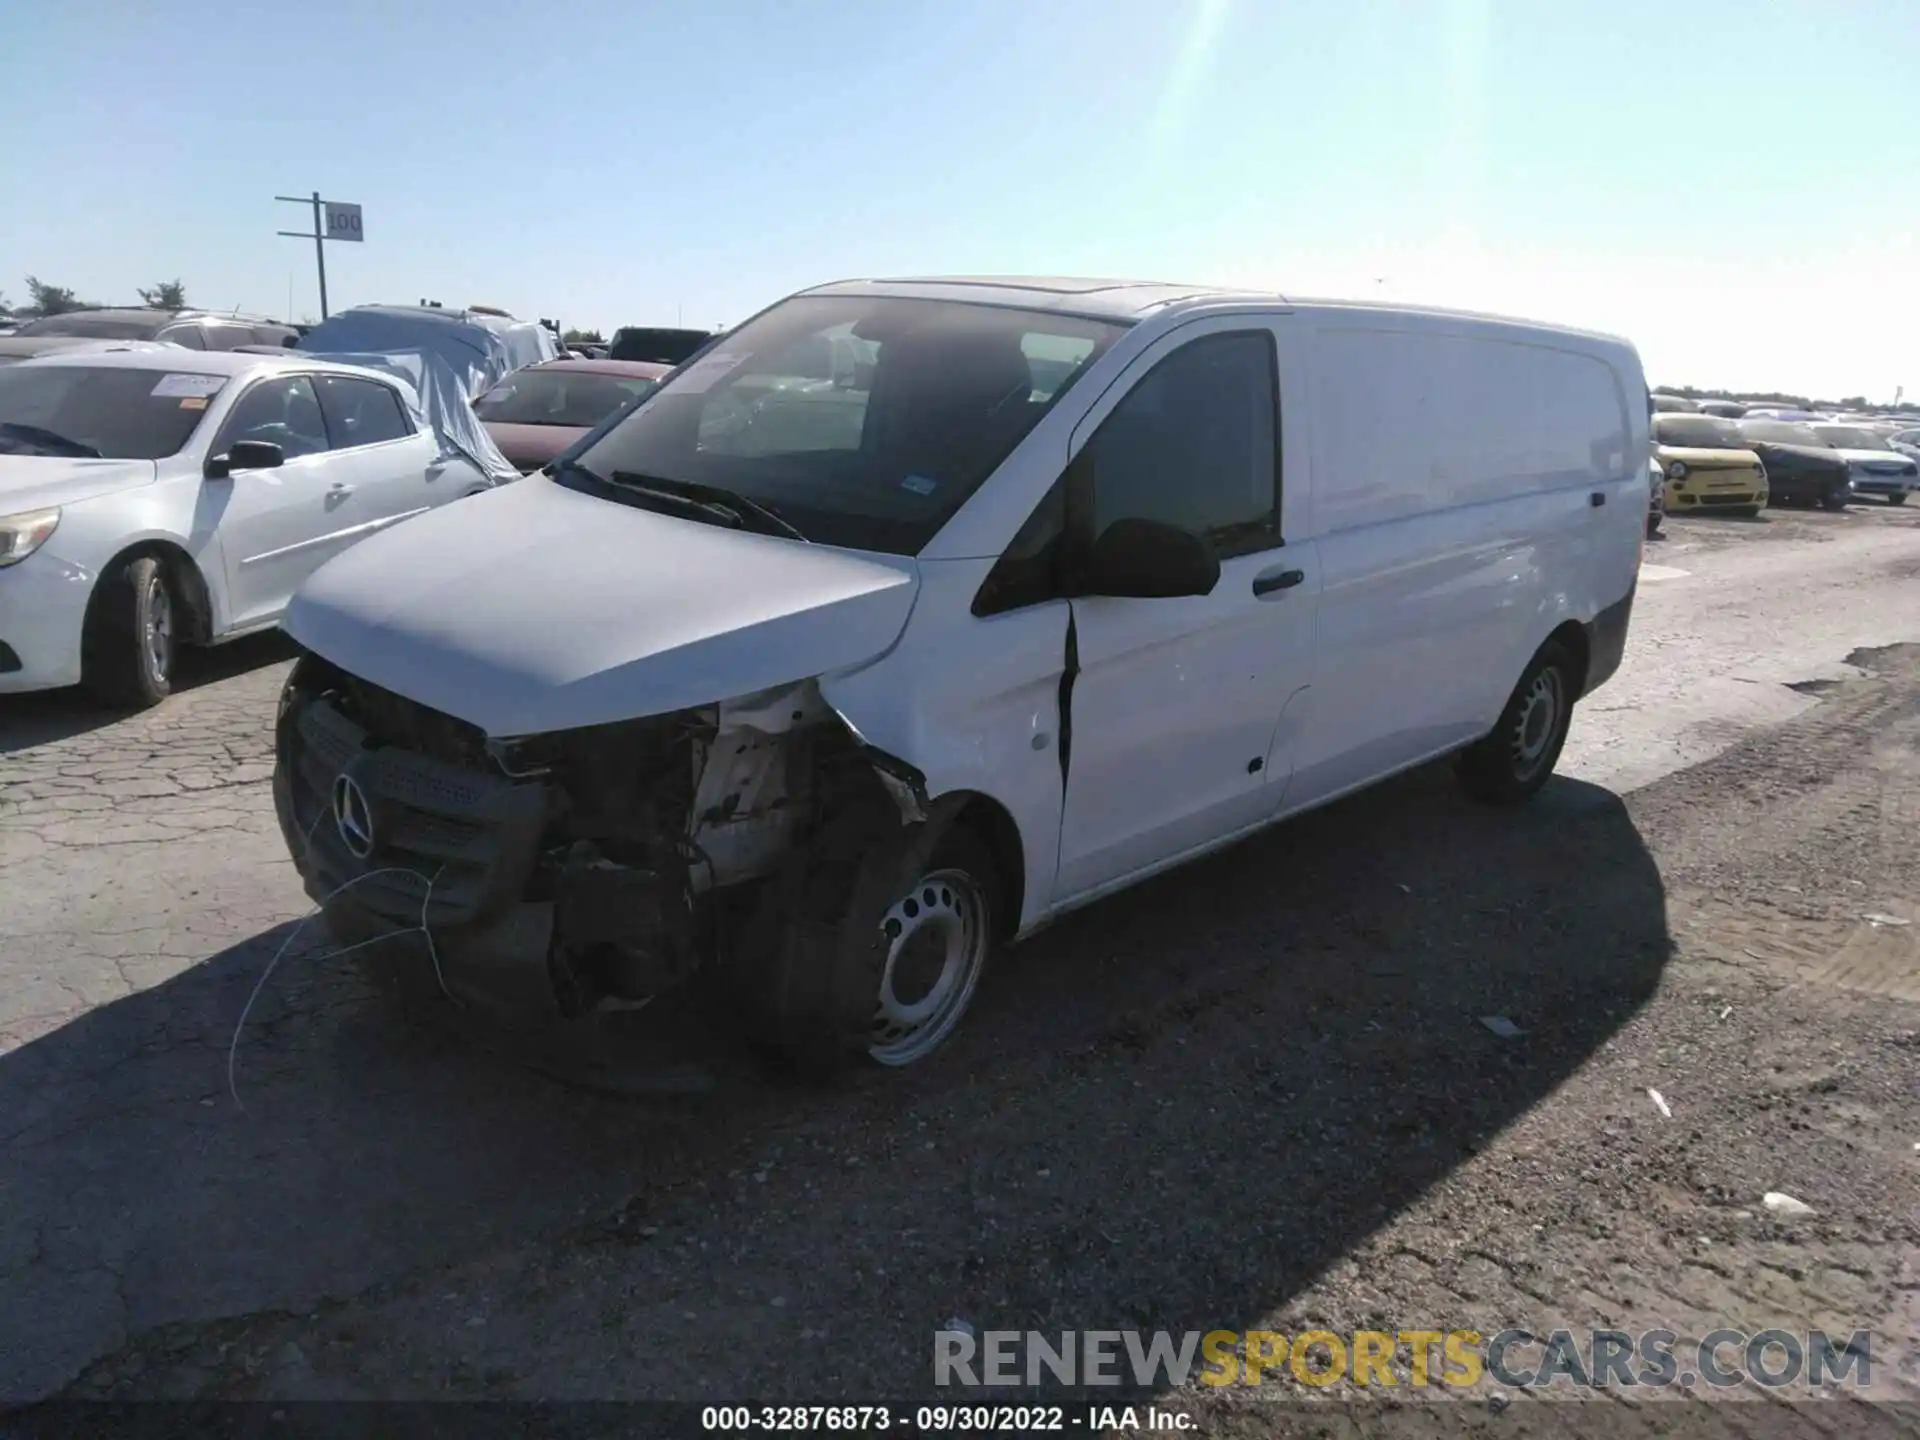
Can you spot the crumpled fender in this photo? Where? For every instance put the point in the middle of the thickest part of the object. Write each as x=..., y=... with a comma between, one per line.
x=965, y=706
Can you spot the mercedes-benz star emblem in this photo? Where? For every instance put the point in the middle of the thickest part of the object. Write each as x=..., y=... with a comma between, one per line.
x=353, y=817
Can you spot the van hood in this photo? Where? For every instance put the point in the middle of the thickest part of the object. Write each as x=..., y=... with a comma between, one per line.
x=40, y=482
x=533, y=608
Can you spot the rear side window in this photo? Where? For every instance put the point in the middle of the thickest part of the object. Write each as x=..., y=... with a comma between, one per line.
x=224, y=336
x=1194, y=444
x=361, y=412
x=187, y=335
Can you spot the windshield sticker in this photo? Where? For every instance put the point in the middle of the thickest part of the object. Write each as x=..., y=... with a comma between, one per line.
x=703, y=375
x=919, y=485
x=194, y=402
x=180, y=387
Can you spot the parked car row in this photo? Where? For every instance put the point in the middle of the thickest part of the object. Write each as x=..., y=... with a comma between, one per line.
x=1717, y=455
x=803, y=657
x=97, y=329
x=170, y=477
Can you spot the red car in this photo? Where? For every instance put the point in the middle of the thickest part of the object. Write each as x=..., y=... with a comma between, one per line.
x=536, y=412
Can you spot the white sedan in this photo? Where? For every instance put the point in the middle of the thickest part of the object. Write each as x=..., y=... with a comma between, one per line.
x=1874, y=465
x=150, y=499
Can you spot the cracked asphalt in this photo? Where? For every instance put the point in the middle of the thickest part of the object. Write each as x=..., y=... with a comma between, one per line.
x=382, y=1184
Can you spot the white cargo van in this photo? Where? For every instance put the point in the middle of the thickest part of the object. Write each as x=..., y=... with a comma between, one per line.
x=827, y=685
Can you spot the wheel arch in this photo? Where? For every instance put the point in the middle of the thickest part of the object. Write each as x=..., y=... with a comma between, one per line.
x=994, y=824
x=190, y=584
x=1572, y=635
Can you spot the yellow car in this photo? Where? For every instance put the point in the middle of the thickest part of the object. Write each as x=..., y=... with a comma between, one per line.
x=1708, y=465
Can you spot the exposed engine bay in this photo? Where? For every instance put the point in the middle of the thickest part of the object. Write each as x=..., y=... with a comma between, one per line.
x=610, y=862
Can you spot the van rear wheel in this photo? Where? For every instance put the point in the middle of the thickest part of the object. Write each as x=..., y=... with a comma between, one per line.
x=1517, y=756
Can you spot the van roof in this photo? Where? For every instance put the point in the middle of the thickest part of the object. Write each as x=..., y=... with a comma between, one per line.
x=1129, y=301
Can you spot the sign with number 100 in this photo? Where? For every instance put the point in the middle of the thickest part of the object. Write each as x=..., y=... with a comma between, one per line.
x=343, y=221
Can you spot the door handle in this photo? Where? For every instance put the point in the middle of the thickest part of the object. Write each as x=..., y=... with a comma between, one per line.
x=1275, y=580
x=1597, y=499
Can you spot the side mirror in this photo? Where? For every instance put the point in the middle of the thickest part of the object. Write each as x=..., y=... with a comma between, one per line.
x=246, y=455
x=1149, y=560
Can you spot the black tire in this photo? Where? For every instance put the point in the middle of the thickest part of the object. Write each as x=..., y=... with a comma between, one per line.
x=1833, y=498
x=1512, y=761
x=130, y=639
x=810, y=987
x=1897, y=499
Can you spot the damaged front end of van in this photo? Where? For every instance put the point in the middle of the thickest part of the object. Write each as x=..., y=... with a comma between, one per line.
x=484, y=848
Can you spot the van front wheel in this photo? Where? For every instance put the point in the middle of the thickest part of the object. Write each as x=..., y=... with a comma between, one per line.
x=1517, y=756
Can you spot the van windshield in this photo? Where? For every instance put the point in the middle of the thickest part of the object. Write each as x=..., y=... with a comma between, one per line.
x=860, y=421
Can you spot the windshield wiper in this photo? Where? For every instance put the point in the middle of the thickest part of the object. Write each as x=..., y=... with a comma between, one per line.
x=714, y=500
x=48, y=439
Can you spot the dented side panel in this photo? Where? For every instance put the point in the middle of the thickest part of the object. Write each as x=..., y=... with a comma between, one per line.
x=973, y=705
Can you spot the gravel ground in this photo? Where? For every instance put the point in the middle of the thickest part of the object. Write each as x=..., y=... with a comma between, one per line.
x=1298, y=1123
x=1256, y=1094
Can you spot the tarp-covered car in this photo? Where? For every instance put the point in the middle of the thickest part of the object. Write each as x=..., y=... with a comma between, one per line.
x=479, y=348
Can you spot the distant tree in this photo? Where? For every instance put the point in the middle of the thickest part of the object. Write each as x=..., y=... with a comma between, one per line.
x=1854, y=402
x=583, y=337
x=167, y=295
x=51, y=299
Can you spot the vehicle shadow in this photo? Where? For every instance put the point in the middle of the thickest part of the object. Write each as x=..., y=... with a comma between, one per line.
x=1173, y=1110
x=43, y=717
x=1290, y=1045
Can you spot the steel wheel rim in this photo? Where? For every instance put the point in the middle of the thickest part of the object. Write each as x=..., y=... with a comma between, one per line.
x=1537, y=722
x=159, y=635
x=948, y=909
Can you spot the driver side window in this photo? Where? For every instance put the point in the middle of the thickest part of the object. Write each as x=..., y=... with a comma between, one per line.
x=1195, y=444
x=283, y=412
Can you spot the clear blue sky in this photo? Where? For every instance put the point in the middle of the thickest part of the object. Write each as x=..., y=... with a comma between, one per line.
x=1731, y=185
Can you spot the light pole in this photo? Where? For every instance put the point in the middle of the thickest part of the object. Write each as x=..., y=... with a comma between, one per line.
x=332, y=220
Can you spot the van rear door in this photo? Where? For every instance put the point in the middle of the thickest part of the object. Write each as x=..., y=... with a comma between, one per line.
x=1173, y=703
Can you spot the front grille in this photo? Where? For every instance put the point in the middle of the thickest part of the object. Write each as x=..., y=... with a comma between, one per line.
x=1734, y=499
x=470, y=835
x=393, y=720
